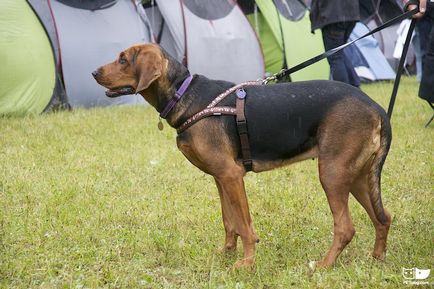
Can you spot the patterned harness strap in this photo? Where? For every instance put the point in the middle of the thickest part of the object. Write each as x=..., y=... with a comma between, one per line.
x=211, y=109
x=238, y=111
x=205, y=113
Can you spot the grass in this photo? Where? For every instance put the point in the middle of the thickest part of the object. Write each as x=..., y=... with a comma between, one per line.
x=101, y=199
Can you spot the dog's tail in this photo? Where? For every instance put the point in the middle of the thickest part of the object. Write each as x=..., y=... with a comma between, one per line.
x=377, y=166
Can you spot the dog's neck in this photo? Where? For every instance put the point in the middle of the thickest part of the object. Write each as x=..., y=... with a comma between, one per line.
x=179, y=93
x=163, y=89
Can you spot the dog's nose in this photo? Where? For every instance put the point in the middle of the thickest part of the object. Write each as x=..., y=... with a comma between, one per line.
x=95, y=73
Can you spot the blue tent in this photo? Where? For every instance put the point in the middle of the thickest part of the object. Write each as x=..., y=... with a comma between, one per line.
x=367, y=58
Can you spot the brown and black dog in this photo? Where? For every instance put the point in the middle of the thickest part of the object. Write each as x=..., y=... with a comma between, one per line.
x=338, y=124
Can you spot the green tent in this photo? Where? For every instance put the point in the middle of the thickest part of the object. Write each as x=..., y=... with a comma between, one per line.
x=27, y=72
x=283, y=27
x=272, y=49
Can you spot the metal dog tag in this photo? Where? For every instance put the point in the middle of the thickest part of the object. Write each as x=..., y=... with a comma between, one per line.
x=160, y=125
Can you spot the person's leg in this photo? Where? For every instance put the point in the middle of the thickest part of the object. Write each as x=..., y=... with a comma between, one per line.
x=420, y=42
x=426, y=89
x=333, y=36
x=423, y=26
x=353, y=78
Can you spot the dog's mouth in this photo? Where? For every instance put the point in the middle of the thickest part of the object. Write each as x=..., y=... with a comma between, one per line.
x=118, y=91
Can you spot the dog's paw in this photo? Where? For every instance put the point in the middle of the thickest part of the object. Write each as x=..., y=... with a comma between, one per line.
x=323, y=264
x=245, y=263
x=227, y=249
x=381, y=256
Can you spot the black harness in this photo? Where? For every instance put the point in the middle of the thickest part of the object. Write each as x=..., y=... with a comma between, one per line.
x=238, y=112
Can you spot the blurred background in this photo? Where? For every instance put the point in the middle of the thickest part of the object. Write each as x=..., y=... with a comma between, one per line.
x=48, y=48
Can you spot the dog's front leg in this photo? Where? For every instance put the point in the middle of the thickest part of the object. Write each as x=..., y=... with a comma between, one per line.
x=231, y=237
x=236, y=215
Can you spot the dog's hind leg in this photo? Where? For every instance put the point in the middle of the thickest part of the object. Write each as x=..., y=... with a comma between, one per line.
x=236, y=212
x=335, y=178
x=366, y=187
x=361, y=189
x=367, y=190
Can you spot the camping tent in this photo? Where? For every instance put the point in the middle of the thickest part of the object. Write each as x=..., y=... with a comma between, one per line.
x=272, y=46
x=28, y=75
x=210, y=37
x=92, y=33
x=50, y=44
x=387, y=38
x=367, y=58
x=284, y=29
x=283, y=24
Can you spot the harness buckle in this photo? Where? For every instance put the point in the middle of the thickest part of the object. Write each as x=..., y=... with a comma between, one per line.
x=248, y=165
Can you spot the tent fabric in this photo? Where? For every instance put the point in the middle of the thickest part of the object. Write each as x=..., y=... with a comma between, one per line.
x=171, y=13
x=272, y=47
x=89, y=5
x=291, y=10
x=296, y=39
x=27, y=73
x=42, y=11
x=201, y=29
x=84, y=49
x=163, y=35
x=273, y=52
x=386, y=10
x=209, y=9
x=230, y=40
x=375, y=60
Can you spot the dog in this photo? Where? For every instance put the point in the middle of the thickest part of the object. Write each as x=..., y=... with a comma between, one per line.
x=336, y=123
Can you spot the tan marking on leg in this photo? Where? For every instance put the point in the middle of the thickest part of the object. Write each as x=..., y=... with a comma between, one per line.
x=231, y=235
x=216, y=157
x=360, y=190
x=334, y=181
x=237, y=209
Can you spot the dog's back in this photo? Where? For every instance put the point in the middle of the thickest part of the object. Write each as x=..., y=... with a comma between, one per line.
x=283, y=119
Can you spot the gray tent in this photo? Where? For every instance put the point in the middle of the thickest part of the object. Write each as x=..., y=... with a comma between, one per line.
x=384, y=11
x=92, y=33
x=367, y=58
x=210, y=37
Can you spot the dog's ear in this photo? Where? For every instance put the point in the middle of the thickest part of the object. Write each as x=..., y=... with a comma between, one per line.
x=147, y=75
x=148, y=70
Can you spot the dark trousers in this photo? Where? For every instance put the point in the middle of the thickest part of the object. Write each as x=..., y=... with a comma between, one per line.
x=341, y=68
x=426, y=89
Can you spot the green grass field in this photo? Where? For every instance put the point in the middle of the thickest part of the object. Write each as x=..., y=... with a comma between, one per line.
x=101, y=198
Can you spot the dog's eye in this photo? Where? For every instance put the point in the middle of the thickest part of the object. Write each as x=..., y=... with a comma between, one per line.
x=122, y=60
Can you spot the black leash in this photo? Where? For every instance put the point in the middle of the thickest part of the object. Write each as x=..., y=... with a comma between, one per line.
x=408, y=14
x=400, y=67
x=330, y=52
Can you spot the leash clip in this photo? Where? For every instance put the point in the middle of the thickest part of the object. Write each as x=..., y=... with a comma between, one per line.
x=274, y=77
x=268, y=79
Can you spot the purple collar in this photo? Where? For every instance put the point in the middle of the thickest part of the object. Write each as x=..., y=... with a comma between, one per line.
x=178, y=94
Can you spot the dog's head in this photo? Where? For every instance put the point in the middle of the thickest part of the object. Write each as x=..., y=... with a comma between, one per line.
x=133, y=71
